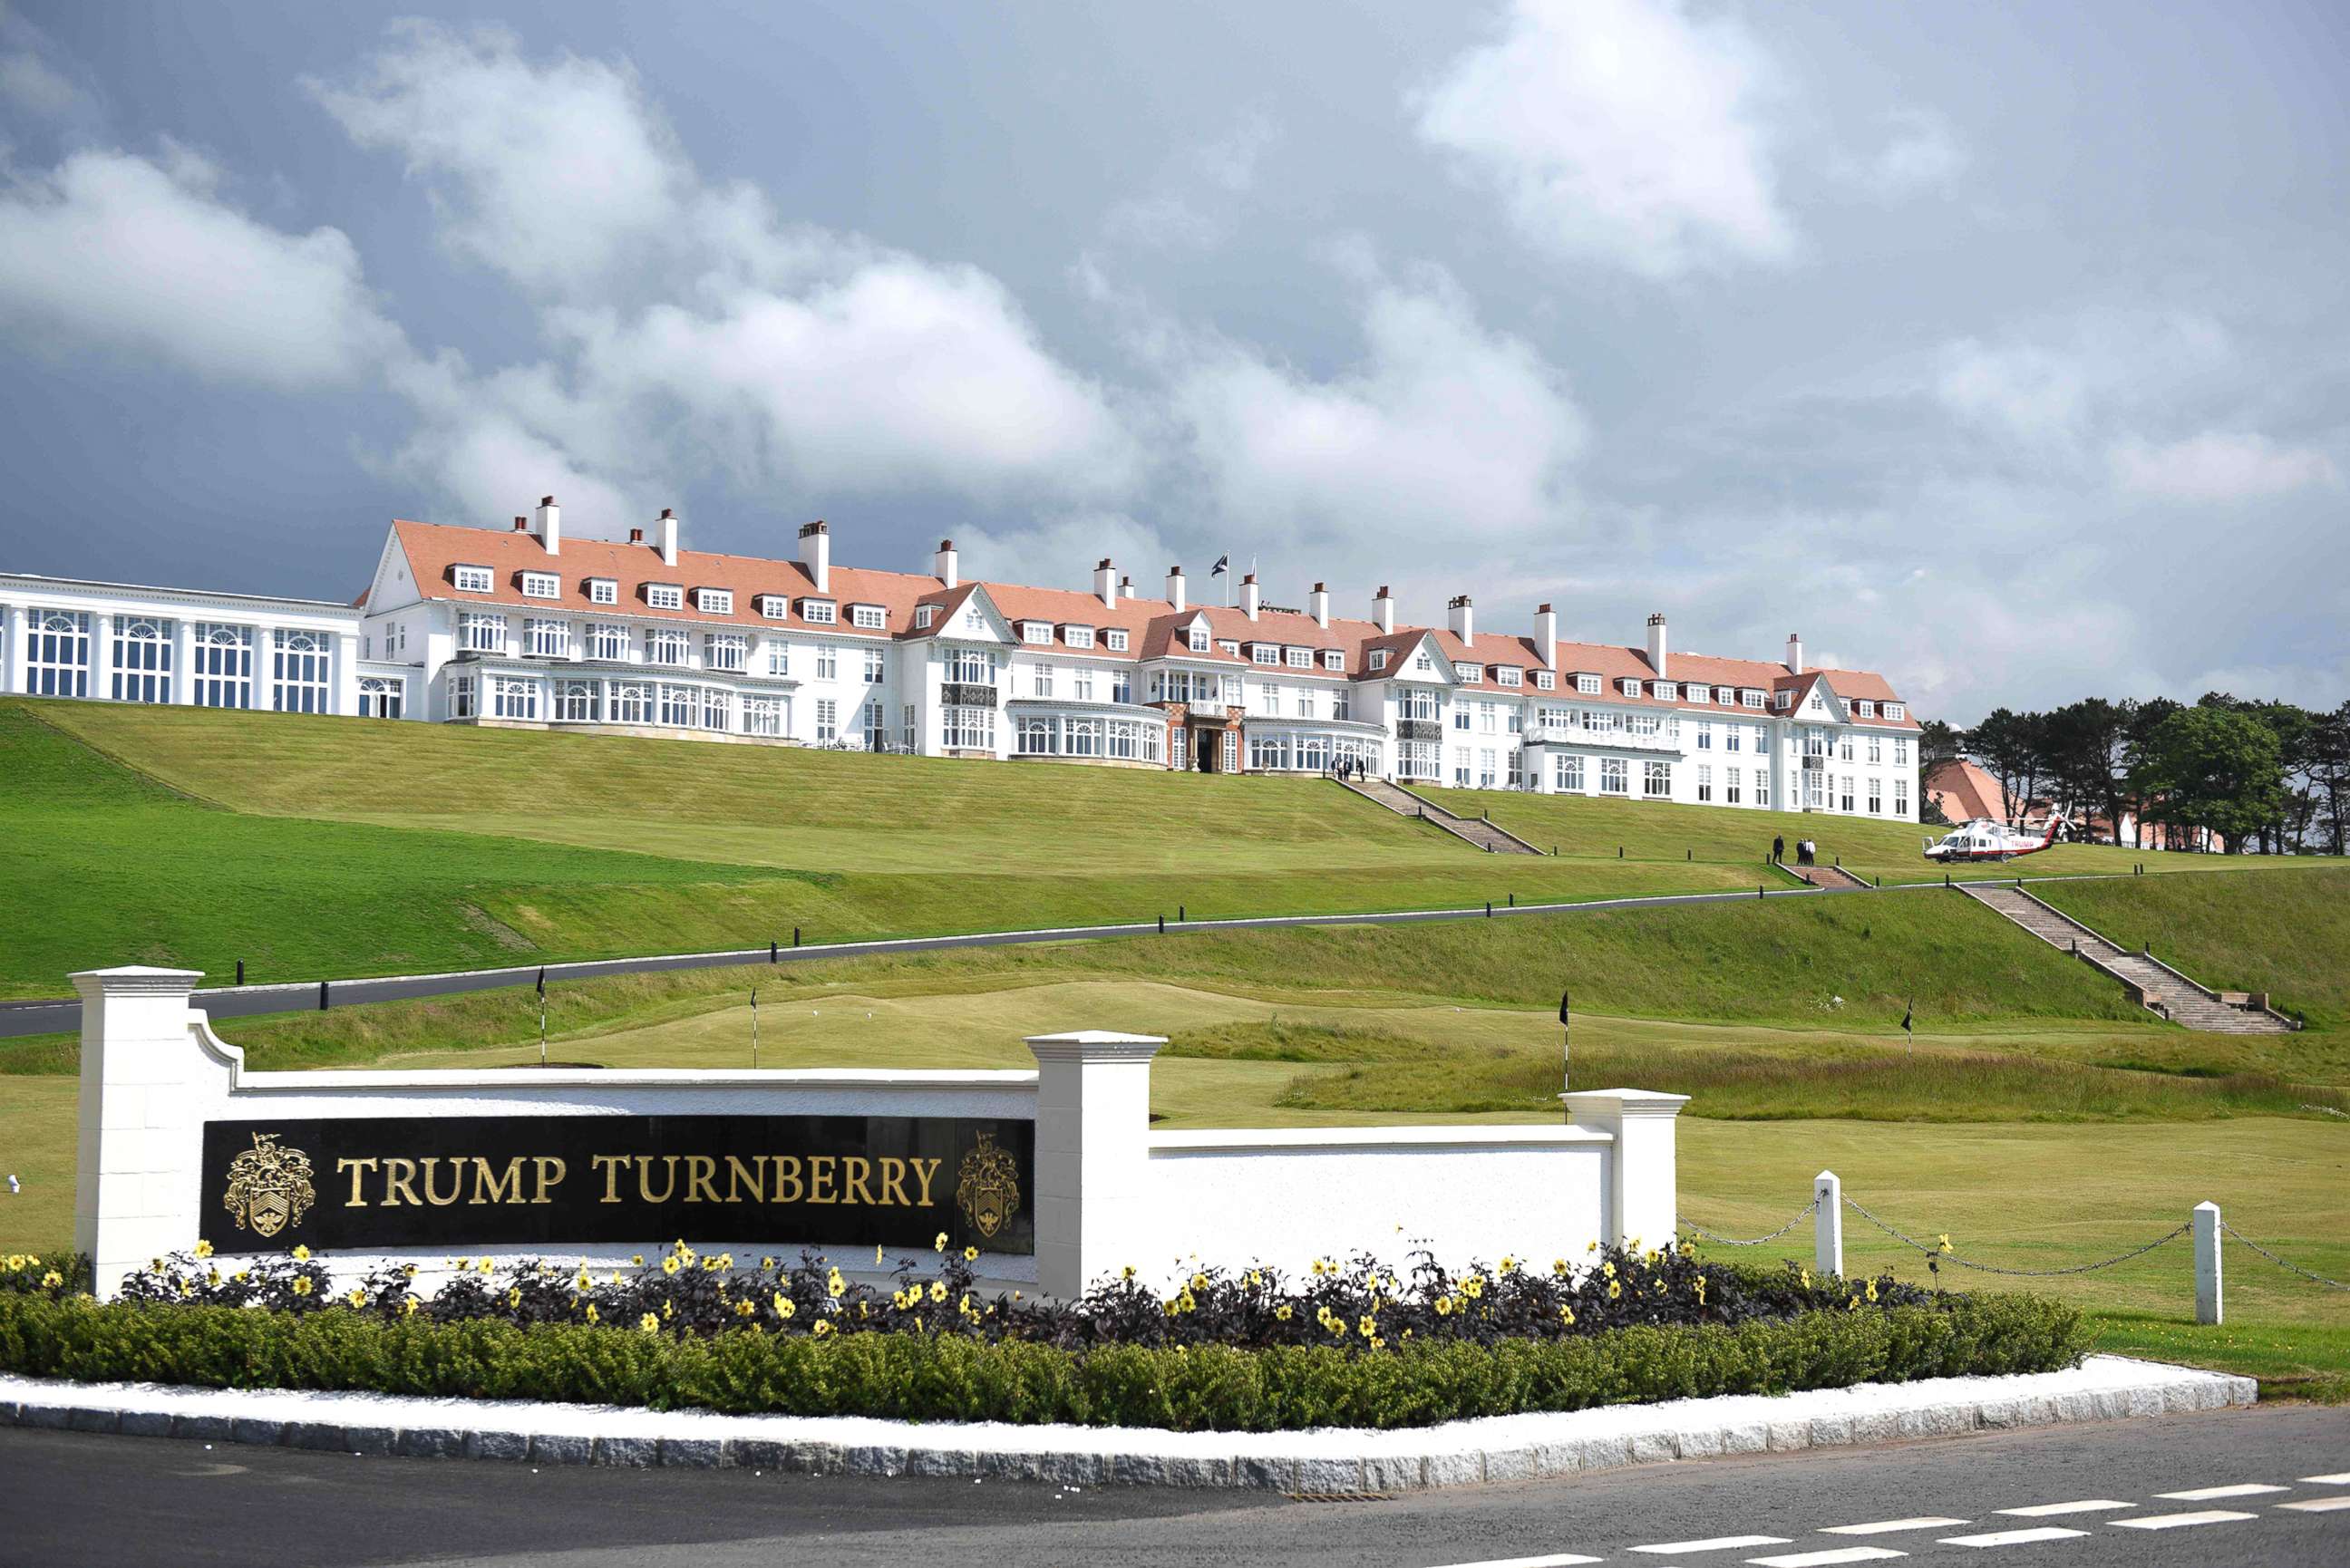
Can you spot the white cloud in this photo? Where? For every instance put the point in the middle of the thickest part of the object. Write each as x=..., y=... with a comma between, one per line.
x=2030, y=390
x=30, y=83
x=1445, y=429
x=2050, y=382
x=1621, y=130
x=143, y=258
x=690, y=325
x=1924, y=154
x=2217, y=467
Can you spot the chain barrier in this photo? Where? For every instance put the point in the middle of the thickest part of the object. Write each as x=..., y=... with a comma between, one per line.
x=1808, y=1210
x=1937, y=1253
x=2282, y=1262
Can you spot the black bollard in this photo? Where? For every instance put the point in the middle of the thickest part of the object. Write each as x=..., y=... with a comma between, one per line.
x=1162, y=925
x=796, y=936
x=1758, y=890
x=1513, y=900
x=1619, y=852
x=240, y=971
x=1688, y=854
x=1179, y=915
x=1489, y=909
x=772, y=954
x=322, y=996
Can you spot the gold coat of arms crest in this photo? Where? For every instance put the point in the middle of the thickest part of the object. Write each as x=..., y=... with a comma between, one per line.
x=987, y=1188
x=269, y=1187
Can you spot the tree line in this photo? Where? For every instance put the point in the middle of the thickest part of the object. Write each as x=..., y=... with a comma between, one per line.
x=2261, y=776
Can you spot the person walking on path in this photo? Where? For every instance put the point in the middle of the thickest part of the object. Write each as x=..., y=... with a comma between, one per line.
x=1778, y=848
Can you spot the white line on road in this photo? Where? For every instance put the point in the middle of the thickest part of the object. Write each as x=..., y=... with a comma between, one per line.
x=2318, y=1504
x=1887, y=1526
x=2341, y=1480
x=1718, y=1543
x=1822, y=1559
x=2051, y=1510
x=2207, y=1493
x=2174, y=1521
x=1557, y=1559
x=2012, y=1537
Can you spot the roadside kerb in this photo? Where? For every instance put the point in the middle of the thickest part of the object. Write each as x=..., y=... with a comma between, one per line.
x=1461, y=1453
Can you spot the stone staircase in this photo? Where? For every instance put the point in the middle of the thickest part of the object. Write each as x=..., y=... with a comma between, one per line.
x=1469, y=829
x=2155, y=985
x=1826, y=876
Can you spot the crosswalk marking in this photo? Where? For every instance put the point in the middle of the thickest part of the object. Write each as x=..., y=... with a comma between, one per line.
x=2174, y=1521
x=2207, y=1493
x=1557, y=1560
x=2318, y=1504
x=1718, y=1544
x=1822, y=1559
x=2051, y=1510
x=1887, y=1526
x=2341, y=1480
x=2012, y=1537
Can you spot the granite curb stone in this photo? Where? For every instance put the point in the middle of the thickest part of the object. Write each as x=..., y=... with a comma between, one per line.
x=1461, y=1453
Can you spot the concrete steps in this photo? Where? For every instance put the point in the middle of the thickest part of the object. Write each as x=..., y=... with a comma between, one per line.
x=2155, y=985
x=1469, y=829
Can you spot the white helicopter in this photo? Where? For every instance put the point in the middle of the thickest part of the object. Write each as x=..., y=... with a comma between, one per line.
x=1987, y=838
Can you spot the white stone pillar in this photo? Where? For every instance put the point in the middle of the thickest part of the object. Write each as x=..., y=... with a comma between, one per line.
x=12, y=648
x=135, y=1175
x=1827, y=1224
x=101, y=656
x=1093, y=1157
x=2208, y=1304
x=347, y=673
x=183, y=662
x=1643, y=1201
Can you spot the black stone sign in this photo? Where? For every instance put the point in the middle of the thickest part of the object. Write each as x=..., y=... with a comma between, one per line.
x=556, y=1181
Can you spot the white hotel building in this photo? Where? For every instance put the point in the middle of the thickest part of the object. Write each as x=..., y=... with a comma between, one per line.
x=528, y=628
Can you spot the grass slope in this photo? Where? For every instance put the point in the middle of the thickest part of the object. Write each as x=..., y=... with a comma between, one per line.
x=2292, y=941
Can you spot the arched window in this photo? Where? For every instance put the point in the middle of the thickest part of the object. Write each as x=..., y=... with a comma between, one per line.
x=380, y=698
x=223, y=672
x=142, y=660
x=57, y=653
x=300, y=671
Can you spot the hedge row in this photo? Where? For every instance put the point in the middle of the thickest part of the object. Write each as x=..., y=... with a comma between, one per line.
x=925, y=1377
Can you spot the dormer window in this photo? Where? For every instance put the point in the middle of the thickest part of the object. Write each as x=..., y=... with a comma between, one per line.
x=1379, y=659
x=1629, y=687
x=1199, y=640
x=819, y=612
x=603, y=591
x=471, y=579
x=1078, y=636
x=1038, y=631
x=868, y=618
x=665, y=596
x=1817, y=704
x=1230, y=645
x=1895, y=709
x=1750, y=698
x=1115, y=639
x=1264, y=653
x=1332, y=658
x=1664, y=689
x=1588, y=684
x=1545, y=681
x=541, y=586
x=1301, y=659
x=1868, y=710
x=714, y=601
x=1508, y=675
x=1469, y=674
x=775, y=606
x=1786, y=700
x=923, y=615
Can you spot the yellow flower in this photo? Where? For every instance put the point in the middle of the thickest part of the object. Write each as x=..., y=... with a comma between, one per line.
x=669, y=1264
x=744, y=1309
x=668, y=1309
x=1852, y=1306
x=971, y=1254
x=357, y=1298
x=1872, y=1289
x=1378, y=1344
x=1444, y=1306
x=838, y=1286
x=639, y=1259
x=301, y=1255
x=938, y=1289
x=1945, y=1240
x=1127, y=1273
x=408, y=1309
x=822, y=1329
x=212, y=1276
x=583, y=1282
x=410, y=1270
x=897, y=1300
x=941, y=1244
x=592, y=1313
x=302, y=1286
x=1337, y=1325
x=205, y=1248
x=1608, y=1270
x=485, y=1265
x=1558, y=1267
x=240, y=1276
x=1591, y=1246
x=725, y=1260
x=1509, y=1265
x=1807, y=1279
x=1187, y=1302
x=16, y=1259
x=1198, y=1282
x=1615, y=1288
x=877, y=1259
x=785, y=1307
x=513, y=1296
x=1700, y=1290
x=1472, y=1287
x=1368, y=1324
x=1255, y=1279
x=650, y=1323
x=52, y=1279
x=1281, y=1312
x=1566, y=1315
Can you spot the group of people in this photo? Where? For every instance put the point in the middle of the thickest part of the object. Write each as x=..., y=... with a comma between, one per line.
x=1806, y=852
x=1349, y=768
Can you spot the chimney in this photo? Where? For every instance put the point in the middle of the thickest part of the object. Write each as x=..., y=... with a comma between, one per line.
x=636, y=536
x=1249, y=596
x=1659, y=655
x=1175, y=587
x=550, y=524
x=945, y=565
x=1318, y=605
x=1794, y=653
x=1126, y=587
x=815, y=553
x=1106, y=582
x=667, y=523
x=1546, y=636
x=1383, y=609
x=522, y=526
x=1464, y=618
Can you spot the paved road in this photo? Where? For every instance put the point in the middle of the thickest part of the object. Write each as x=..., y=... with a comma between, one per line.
x=61, y=1016
x=70, y=1498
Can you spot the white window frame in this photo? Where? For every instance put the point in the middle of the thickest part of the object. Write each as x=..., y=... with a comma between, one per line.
x=301, y=671
x=714, y=601
x=608, y=640
x=729, y=651
x=603, y=590
x=671, y=647
x=223, y=672
x=1379, y=659
x=141, y=665
x=541, y=586
x=775, y=606
x=1078, y=636
x=868, y=618
x=1038, y=633
x=545, y=638
x=1587, y=685
x=468, y=579
x=1115, y=639
x=819, y=612
x=481, y=631
x=665, y=596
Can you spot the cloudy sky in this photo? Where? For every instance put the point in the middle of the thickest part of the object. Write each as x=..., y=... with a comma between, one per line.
x=2001, y=348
